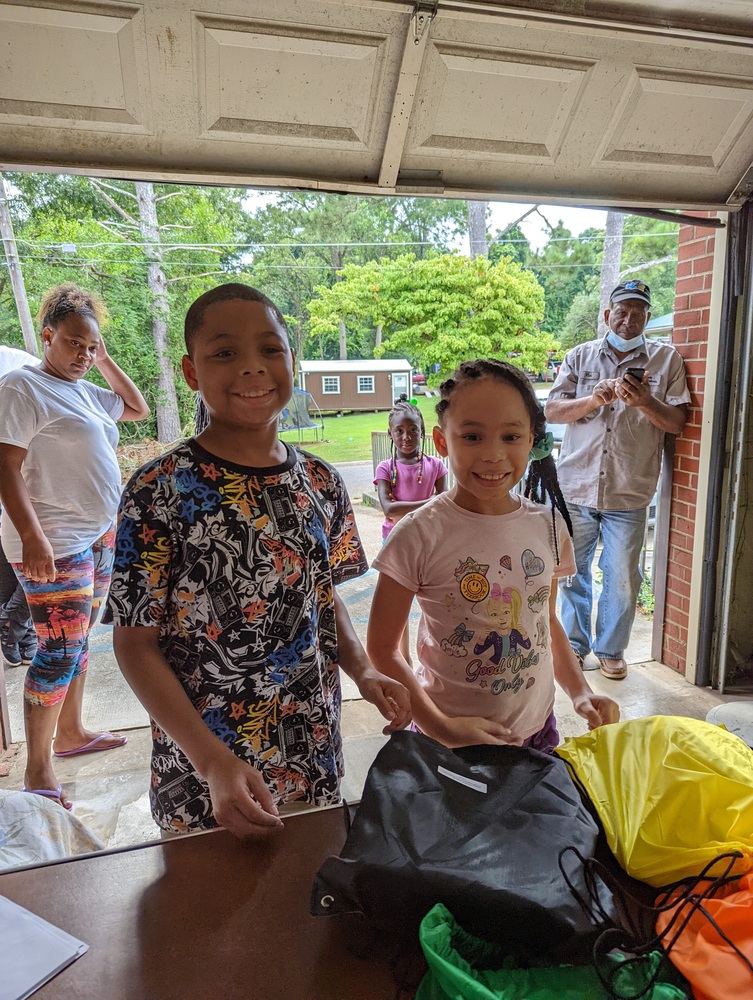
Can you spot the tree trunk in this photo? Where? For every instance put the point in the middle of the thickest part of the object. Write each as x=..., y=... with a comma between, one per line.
x=168, y=421
x=610, y=265
x=16, y=276
x=343, y=341
x=378, y=335
x=477, y=228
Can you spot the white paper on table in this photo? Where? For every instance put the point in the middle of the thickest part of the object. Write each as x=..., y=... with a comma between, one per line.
x=32, y=951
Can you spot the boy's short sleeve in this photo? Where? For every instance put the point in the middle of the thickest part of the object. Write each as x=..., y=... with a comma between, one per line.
x=143, y=549
x=347, y=558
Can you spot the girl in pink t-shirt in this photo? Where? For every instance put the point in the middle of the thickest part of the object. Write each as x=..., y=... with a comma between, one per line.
x=483, y=562
x=409, y=477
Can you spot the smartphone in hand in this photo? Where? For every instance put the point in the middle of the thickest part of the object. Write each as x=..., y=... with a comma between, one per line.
x=636, y=373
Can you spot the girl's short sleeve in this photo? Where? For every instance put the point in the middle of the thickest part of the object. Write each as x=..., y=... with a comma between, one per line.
x=382, y=472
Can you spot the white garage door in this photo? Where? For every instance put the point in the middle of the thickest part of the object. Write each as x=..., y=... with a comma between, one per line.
x=633, y=103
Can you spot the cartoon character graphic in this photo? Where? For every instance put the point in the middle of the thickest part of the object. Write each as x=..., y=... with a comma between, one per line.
x=503, y=607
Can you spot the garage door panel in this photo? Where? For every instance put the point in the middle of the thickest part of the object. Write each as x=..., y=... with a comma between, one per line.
x=681, y=119
x=496, y=104
x=528, y=109
x=259, y=80
x=74, y=67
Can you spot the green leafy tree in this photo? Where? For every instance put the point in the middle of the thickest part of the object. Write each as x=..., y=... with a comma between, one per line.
x=581, y=323
x=563, y=267
x=649, y=252
x=302, y=241
x=514, y=245
x=89, y=231
x=442, y=310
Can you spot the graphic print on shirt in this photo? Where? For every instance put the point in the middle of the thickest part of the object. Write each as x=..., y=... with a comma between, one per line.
x=238, y=570
x=497, y=645
x=507, y=635
x=471, y=576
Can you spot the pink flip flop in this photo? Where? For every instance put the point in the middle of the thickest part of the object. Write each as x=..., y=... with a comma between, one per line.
x=92, y=745
x=49, y=793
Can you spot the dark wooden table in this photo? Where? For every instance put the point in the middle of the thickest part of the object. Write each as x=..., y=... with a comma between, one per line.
x=204, y=916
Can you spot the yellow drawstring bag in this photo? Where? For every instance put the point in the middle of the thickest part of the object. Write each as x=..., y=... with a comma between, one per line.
x=672, y=794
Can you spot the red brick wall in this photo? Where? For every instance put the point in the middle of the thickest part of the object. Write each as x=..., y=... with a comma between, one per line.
x=690, y=337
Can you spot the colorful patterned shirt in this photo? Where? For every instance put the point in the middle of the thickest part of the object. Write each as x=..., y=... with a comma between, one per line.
x=237, y=567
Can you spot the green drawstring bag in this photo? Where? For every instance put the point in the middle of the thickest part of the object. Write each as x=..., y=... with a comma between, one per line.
x=462, y=967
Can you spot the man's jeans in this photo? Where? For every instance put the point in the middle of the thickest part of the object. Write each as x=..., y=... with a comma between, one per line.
x=622, y=534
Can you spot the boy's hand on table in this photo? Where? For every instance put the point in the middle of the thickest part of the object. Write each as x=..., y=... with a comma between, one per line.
x=389, y=696
x=597, y=709
x=241, y=801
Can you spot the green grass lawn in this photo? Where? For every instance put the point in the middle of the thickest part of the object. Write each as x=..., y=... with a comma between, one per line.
x=348, y=439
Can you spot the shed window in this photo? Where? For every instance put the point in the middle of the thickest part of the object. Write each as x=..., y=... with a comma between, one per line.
x=330, y=384
x=366, y=383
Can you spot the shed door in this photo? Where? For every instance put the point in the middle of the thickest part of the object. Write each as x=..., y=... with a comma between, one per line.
x=399, y=384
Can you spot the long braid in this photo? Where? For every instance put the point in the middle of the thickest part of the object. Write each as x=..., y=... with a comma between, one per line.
x=542, y=485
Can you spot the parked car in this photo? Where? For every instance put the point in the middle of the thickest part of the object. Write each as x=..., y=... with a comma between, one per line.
x=418, y=382
x=547, y=374
x=558, y=430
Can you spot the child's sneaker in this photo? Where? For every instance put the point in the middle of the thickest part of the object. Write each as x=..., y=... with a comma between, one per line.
x=12, y=655
x=28, y=651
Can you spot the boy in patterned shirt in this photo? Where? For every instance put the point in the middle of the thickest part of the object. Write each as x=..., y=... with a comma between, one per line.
x=227, y=623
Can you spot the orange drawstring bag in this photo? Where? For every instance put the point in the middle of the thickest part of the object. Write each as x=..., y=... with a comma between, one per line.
x=709, y=936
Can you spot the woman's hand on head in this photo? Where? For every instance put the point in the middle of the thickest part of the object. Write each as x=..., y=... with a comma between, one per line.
x=38, y=560
x=102, y=353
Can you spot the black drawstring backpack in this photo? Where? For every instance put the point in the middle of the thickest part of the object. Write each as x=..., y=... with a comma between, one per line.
x=479, y=829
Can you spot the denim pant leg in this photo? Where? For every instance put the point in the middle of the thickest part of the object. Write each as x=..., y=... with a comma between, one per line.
x=622, y=534
x=576, y=592
x=15, y=615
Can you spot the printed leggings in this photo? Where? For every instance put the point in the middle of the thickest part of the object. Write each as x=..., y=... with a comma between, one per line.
x=63, y=613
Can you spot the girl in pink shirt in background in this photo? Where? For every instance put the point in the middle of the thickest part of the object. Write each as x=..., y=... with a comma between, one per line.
x=409, y=477
x=483, y=562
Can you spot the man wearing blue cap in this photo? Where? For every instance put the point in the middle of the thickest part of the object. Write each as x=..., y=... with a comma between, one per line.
x=619, y=395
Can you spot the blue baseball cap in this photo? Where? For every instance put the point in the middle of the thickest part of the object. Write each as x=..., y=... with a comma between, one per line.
x=631, y=290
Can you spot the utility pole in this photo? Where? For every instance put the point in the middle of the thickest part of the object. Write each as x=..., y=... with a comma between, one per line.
x=479, y=246
x=14, y=269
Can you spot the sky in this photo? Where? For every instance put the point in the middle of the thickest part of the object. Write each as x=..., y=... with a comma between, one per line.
x=502, y=213
x=534, y=228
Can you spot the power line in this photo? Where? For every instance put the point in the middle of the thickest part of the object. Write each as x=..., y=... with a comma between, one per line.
x=103, y=262
x=164, y=245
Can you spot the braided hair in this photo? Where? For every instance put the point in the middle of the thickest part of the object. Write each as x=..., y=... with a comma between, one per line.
x=404, y=408
x=541, y=484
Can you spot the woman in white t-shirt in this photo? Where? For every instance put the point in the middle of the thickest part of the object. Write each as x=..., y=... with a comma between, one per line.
x=60, y=486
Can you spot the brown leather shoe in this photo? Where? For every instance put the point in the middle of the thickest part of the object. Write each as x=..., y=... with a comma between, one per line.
x=615, y=670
